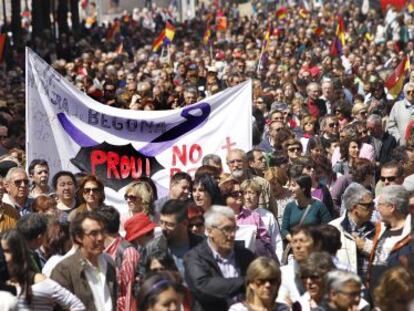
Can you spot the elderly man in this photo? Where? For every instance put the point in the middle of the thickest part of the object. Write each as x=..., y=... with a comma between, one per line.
x=382, y=141
x=216, y=268
x=17, y=187
x=393, y=232
x=238, y=166
x=89, y=273
x=356, y=228
x=401, y=113
x=314, y=104
x=343, y=291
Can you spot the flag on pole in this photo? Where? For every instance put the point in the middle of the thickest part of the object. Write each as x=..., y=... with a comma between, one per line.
x=303, y=13
x=116, y=28
x=281, y=13
x=120, y=49
x=395, y=82
x=336, y=47
x=340, y=30
x=159, y=41
x=169, y=32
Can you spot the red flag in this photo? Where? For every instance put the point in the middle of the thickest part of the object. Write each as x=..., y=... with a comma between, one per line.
x=3, y=38
x=396, y=4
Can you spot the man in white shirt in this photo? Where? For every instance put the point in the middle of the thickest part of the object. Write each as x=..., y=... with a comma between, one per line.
x=89, y=273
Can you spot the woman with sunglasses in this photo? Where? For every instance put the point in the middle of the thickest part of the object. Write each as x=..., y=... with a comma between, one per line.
x=312, y=273
x=139, y=196
x=292, y=148
x=233, y=197
x=90, y=194
x=263, y=279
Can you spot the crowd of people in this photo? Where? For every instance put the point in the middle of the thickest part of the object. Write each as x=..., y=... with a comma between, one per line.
x=318, y=215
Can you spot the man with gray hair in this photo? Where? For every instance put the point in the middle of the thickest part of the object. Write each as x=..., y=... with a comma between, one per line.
x=212, y=160
x=401, y=113
x=17, y=187
x=382, y=141
x=216, y=268
x=343, y=291
x=393, y=233
x=356, y=228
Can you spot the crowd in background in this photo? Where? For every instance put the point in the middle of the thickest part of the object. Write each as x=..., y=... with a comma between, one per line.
x=316, y=216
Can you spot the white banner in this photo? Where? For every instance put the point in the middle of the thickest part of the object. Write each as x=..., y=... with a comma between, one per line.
x=74, y=132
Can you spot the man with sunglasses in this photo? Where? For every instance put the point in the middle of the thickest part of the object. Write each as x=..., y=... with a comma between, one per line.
x=17, y=187
x=401, y=114
x=356, y=228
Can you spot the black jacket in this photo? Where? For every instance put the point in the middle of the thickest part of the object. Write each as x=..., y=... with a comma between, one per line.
x=204, y=279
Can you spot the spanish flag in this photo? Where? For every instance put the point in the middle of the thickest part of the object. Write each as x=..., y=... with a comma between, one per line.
x=340, y=30
x=303, y=13
x=159, y=41
x=207, y=35
x=282, y=13
x=395, y=82
x=169, y=32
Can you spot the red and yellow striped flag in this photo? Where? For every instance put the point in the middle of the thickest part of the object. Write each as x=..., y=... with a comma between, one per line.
x=282, y=13
x=395, y=82
x=340, y=30
x=303, y=13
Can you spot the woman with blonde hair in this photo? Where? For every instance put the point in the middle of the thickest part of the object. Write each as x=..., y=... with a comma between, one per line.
x=139, y=196
x=263, y=279
x=395, y=290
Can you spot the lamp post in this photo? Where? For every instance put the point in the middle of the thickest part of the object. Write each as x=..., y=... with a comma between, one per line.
x=4, y=14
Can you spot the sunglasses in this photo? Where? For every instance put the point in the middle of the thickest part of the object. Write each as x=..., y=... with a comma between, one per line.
x=335, y=124
x=389, y=178
x=19, y=182
x=410, y=92
x=236, y=194
x=130, y=197
x=89, y=190
x=294, y=149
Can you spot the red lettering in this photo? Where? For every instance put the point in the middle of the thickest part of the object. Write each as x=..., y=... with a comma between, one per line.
x=136, y=168
x=125, y=167
x=98, y=157
x=195, y=148
x=112, y=162
x=180, y=154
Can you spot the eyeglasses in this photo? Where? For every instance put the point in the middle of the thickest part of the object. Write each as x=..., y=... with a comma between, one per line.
x=20, y=182
x=294, y=149
x=335, y=124
x=95, y=233
x=410, y=92
x=89, y=190
x=130, y=197
x=389, y=178
x=236, y=194
x=235, y=161
x=228, y=229
x=368, y=205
